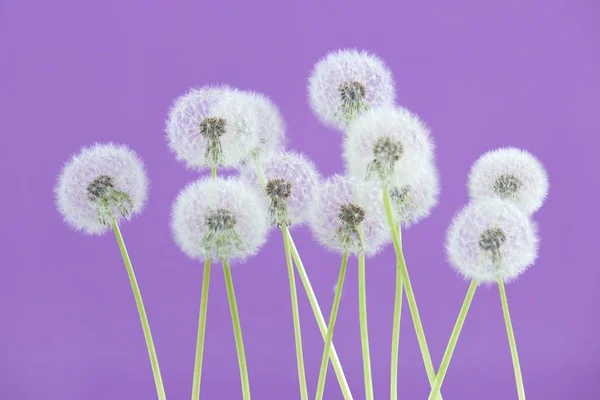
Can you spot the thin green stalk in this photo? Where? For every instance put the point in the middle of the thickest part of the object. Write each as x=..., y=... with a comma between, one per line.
x=364, y=331
x=312, y=298
x=201, y=331
x=330, y=327
x=213, y=172
x=410, y=296
x=296, y=315
x=237, y=329
x=396, y=337
x=511, y=341
x=462, y=315
x=160, y=390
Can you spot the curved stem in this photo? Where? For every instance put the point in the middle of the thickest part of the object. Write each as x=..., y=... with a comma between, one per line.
x=312, y=298
x=410, y=296
x=512, y=342
x=201, y=331
x=237, y=330
x=330, y=327
x=296, y=315
x=160, y=390
x=462, y=315
x=364, y=331
x=396, y=337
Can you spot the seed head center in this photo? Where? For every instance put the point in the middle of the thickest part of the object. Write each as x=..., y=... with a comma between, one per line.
x=212, y=127
x=279, y=188
x=492, y=239
x=220, y=220
x=351, y=214
x=507, y=185
x=352, y=91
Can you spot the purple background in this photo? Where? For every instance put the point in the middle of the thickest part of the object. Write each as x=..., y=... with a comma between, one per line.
x=482, y=74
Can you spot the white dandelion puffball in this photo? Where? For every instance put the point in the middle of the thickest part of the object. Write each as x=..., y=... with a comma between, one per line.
x=491, y=239
x=510, y=174
x=346, y=83
x=386, y=141
x=212, y=127
x=101, y=183
x=224, y=218
x=348, y=216
x=413, y=200
x=271, y=126
x=290, y=179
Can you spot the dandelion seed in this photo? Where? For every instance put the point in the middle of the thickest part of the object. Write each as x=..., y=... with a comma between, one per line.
x=101, y=183
x=346, y=83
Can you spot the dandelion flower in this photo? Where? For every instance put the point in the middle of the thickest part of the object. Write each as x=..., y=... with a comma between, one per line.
x=413, y=200
x=386, y=141
x=212, y=127
x=101, y=183
x=290, y=180
x=346, y=83
x=219, y=219
x=510, y=174
x=271, y=126
x=492, y=239
x=347, y=216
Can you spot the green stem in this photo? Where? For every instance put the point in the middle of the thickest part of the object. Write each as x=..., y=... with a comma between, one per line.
x=160, y=390
x=213, y=172
x=410, y=296
x=364, y=331
x=201, y=331
x=296, y=315
x=312, y=298
x=462, y=315
x=512, y=341
x=330, y=327
x=396, y=337
x=237, y=329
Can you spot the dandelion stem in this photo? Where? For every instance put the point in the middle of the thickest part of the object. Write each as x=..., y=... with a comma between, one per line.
x=160, y=390
x=410, y=296
x=296, y=315
x=511, y=341
x=213, y=172
x=312, y=298
x=396, y=336
x=237, y=330
x=201, y=332
x=462, y=315
x=364, y=332
x=330, y=327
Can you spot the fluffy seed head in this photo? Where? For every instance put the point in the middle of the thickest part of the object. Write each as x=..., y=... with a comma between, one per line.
x=219, y=219
x=101, y=183
x=348, y=216
x=346, y=83
x=491, y=239
x=510, y=174
x=290, y=179
x=413, y=199
x=213, y=126
x=387, y=141
x=271, y=126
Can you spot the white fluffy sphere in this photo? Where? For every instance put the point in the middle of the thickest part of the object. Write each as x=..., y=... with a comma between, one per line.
x=491, y=239
x=213, y=127
x=290, y=180
x=346, y=83
x=510, y=174
x=387, y=141
x=224, y=218
x=271, y=126
x=348, y=216
x=101, y=183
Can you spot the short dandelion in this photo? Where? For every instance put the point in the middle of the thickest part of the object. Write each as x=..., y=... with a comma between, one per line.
x=98, y=188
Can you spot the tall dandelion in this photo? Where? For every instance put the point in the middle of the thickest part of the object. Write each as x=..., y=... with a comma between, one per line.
x=99, y=187
x=220, y=220
x=344, y=216
x=346, y=83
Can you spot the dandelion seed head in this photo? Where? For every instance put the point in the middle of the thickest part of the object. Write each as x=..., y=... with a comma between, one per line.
x=101, y=183
x=387, y=141
x=271, y=126
x=346, y=83
x=214, y=126
x=510, y=174
x=345, y=215
x=491, y=238
x=224, y=218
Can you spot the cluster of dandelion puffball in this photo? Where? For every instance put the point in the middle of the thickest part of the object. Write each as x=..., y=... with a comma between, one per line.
x=494, y=236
